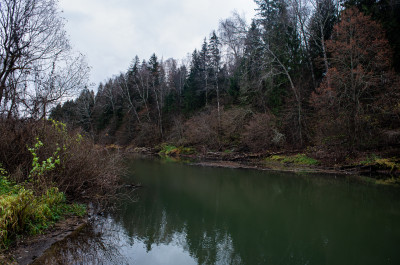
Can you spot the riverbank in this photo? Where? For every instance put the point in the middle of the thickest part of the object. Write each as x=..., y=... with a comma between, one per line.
x=31, y=222
x=29, y=248
x=382, y=170
x=180, y=204
x=46, y=171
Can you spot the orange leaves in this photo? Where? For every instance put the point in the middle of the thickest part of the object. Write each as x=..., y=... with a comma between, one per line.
x=359, y=40
x=360, y=55
x=357, y=79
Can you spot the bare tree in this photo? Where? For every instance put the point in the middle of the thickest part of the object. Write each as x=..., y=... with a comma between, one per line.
x=356, y=88
x=36, y=65
x=175, y=78
x=141, y=83
x=128, y=95
x=157, y=86
x=321, y=25
x=66, y=77
x=232, y=32
x=274, y=60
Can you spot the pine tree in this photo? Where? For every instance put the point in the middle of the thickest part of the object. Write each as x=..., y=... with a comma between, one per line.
x=251, y=84
x=204, y=67
x=282, y=57
x=134, y=67
x=157, y=87
x=193, y=91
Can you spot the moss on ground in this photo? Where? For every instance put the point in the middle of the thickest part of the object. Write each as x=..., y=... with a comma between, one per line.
x=169, y=150
x=299, y=159
x=391, y=164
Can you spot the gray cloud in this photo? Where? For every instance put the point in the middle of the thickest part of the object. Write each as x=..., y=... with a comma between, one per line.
x=111, y=33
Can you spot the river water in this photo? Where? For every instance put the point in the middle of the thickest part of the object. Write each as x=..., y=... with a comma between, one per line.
x=198, y=215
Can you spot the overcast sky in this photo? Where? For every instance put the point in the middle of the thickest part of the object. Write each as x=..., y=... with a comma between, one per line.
x=111, y=32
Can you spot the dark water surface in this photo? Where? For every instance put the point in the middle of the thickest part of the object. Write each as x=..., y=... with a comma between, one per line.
x=198, y=215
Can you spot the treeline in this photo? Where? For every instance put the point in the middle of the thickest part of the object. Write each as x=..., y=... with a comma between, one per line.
x=304, y=73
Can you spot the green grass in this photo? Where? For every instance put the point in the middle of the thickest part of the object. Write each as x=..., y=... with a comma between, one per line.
x=369, y=160
x=167, y=150
x=382, y=163
x=394, y=181
x=6, y=186
x=24, y=212
x=299, y=159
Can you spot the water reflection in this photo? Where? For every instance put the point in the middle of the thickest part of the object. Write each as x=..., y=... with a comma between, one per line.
x=195, y=215
x=93, y=244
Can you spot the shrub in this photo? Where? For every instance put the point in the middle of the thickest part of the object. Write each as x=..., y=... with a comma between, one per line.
x=22, y=212
x=148, y=135
x=302, y=159
x=64, y=159
x=391, y=164
x=261, y=133
x=15, y=212
x=204, y=128
x=167, y=149
x=233, y=122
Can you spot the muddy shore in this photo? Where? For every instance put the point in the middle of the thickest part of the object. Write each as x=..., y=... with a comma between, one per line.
x=29, y=248
x=258, y=161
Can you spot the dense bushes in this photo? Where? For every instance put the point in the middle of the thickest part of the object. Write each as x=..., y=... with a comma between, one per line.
x=202, y=129
x=237, y=128
x=262, y=133
x=215, y=131
x=42, y=167
x=79, y=168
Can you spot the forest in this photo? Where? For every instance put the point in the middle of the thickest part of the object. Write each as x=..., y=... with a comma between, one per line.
x=313, y=77
x=315, y=73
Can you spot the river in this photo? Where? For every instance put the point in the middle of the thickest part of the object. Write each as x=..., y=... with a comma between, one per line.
x=199, y=215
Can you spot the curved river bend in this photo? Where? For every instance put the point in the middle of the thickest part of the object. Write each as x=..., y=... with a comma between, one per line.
x=197, y=215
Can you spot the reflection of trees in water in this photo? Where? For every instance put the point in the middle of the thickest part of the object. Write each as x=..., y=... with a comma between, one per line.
x=94, y=244
x=176, y=224
x=222, y=219
x=209, y=231
x=249, y=219
x=212, y=233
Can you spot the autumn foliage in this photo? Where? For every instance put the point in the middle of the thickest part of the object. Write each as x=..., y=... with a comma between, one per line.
x=359, y=84
x=300, y=77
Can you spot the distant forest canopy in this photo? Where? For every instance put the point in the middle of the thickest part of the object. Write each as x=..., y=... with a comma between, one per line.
x=303, y=73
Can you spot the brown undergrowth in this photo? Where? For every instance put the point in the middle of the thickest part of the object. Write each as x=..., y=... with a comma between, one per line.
x=81, y=170
x=44, y=171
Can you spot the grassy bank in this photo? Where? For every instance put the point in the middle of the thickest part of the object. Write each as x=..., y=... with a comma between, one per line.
x=25, y=212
